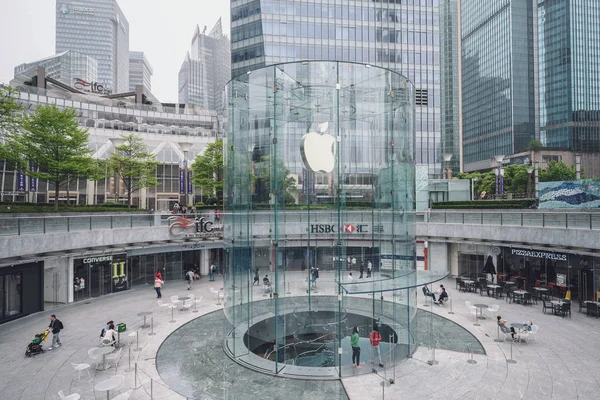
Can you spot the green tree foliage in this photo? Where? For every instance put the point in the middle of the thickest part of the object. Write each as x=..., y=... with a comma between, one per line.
x=515, y=179
x=281, y=184
x=557, y=171
x=207, y=170
x=10, y=109
x=133, y=165
x=53, y=142
x=486, y=182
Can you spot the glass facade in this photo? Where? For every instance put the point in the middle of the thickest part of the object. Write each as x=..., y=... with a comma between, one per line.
x=140, y=71
x=319, y=174
x=498, y=101
x=400, y=35
x=206, y=70
x=64, y=67
x=569, y=64
x=99, y=29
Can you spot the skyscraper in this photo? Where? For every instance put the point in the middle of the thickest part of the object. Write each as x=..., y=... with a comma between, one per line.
x=99, y=29
x=569, y=74
x=65, y=67
x=402, y=36
x=140, y=70
x=206, y=69
x=498, y=93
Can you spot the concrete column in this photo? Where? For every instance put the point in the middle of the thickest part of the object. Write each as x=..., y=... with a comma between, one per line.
x=453, y=259
x=90, y=193
x=143, y=196
x=204, y=262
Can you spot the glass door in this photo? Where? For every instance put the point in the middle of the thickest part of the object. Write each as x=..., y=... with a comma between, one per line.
x=100, y=279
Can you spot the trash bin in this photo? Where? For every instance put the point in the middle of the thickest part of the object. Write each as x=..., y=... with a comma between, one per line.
x=122, y=327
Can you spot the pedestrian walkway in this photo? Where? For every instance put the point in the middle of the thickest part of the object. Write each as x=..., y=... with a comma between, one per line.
x=561, y=363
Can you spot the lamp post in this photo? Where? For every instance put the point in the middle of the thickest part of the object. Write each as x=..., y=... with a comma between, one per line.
x=499, y=177
x=117, y=142
x=473, y=180
x=529, y=171
x=185, y=147
x=447, y=170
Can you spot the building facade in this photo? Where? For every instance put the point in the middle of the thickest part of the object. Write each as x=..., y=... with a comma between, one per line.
x=569, y=74
x=498, y=96
x=140, y=71
x=99, y=29
x=65, y=67
x=205, y=69
x=402, y=36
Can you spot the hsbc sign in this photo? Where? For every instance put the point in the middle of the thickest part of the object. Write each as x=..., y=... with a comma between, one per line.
x=346, y=228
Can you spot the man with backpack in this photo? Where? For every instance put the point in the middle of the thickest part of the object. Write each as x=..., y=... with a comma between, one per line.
x=213, y=270
x=55, y=327
x=375, y=338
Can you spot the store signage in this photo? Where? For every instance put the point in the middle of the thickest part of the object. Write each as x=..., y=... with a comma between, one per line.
x=91, y=87
x=539, y=254
x=197, y=227
x=346, y=228
x=93, y=260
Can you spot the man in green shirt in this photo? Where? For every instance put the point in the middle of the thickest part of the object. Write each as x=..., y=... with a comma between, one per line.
x=355, y=343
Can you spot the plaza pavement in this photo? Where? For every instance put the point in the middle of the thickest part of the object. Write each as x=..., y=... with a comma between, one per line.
x=562, y=363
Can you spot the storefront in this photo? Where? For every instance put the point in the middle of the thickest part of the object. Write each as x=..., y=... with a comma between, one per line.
x=96, y=276
x=21, y=290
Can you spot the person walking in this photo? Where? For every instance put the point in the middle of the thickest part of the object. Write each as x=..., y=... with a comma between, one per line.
x=256, y=277
x=369, y=269
x=315, y=276
x=190, y=278
x=355, y=343
x=375, y=338
x=213, y=269
x=362, y=269
x=158, y=284
x=55, y=327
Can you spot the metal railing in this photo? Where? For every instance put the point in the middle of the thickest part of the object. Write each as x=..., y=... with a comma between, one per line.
x=73, y=223
x=530, y=219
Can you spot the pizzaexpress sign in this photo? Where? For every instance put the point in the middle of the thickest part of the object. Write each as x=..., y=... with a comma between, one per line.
x=539, y=254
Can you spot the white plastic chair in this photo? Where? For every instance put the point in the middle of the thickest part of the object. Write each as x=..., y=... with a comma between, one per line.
x=162, y=306
x=107, y=342
x=114, y=357
x=81, y=367
x=215, y=292
x=72, y=396
x=175, y=300
x=95, y=356
x=187, y=304
x=132, y=335
x=472, y=309
x=123, y=396
x=493, y=310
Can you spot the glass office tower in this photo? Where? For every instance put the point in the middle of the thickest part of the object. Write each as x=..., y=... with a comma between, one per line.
x=64, y=67
x=498, y=94
x=99, y=29
x=298, y=134
x=399, y=35
x=569, y=74
x=140, y=71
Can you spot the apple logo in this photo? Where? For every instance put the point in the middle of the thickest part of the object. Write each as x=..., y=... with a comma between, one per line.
x=318, y=149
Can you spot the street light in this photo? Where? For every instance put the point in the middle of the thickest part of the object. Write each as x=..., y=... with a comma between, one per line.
x=185, y=147
x=447, y=170
x=116, y=143
x=473, y=180
x=499, y=175
x=529, y=171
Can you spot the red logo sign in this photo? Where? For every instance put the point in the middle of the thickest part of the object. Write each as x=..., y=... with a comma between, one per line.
x=348, y=228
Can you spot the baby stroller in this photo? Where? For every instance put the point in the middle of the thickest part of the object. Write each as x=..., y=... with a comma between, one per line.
x=35, y=345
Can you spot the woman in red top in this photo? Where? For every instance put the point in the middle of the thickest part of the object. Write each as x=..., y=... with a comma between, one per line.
x=375, y=338
x=158, y=275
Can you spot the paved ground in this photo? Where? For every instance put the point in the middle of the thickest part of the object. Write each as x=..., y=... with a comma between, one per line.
x=563, y=363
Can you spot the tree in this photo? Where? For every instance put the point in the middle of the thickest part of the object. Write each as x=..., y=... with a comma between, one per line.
x=515, y=178
x=557, y=171
x=285, y=183
x=133, y=165
x=10, y=109
x=486, y=182
x=207, y=170
x=53, y=142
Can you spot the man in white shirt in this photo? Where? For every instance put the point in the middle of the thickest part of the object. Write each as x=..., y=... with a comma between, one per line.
x=190, y=278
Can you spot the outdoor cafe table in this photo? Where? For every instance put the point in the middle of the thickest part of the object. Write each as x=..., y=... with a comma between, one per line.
x=108, y=385
x=557, y=304
x=104, y=351
x=495, y=289
x=589, y=305
x=183, y=299
x=520, y=293
x=480, y=316
x=541, y=291
x=144, y=314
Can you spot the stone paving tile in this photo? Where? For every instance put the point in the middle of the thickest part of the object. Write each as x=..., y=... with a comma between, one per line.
x=563, y=362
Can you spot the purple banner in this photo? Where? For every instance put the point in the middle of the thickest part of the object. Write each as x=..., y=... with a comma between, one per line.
x=189, y=178
x=181, y=181
x=312, y=182
x=32, y=181
x=304, y=176
x=20, y=182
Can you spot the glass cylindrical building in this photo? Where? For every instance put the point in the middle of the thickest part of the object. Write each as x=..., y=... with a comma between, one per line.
x=319, y=217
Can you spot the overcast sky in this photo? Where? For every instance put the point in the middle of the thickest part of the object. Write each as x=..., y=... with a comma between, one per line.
x=162, y=29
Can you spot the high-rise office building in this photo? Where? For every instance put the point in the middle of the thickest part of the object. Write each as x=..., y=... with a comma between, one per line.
x=399, y=35
x=65, y=67
x=569, y=74
x=206, y=69
x=498, y=96
x=99, y=29
x=140, y=70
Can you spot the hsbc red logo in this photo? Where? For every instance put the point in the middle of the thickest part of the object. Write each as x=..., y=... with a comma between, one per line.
x=348, y=228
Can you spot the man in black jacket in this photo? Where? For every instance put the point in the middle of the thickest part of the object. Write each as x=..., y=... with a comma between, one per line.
x=55, y=327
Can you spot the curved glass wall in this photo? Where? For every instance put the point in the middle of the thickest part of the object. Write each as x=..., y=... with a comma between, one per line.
x=319, y=175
